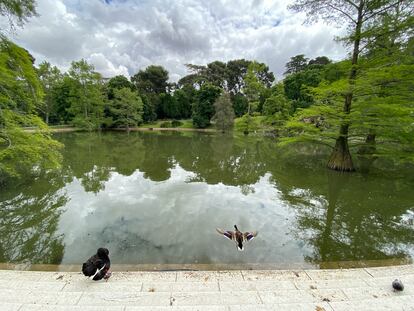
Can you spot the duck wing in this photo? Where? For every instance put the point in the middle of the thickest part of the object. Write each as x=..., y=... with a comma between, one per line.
x=89, y=267
x=99, y=273
x=248, y=236
x=94, y=264
x=227, y=234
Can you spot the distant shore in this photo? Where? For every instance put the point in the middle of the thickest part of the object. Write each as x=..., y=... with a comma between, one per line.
x=134, y=129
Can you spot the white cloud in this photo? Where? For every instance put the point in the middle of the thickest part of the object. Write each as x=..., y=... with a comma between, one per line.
x=123, y=37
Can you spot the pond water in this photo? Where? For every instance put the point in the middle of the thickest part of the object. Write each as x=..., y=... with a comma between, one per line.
x=156, y=198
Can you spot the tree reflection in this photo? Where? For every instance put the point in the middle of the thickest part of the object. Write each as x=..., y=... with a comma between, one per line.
x=93, y=157
x=29, y=220
x=224, y=159
x=348, y=217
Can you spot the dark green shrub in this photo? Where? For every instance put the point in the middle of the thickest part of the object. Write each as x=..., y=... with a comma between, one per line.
x=165, y=124
x=176, y=123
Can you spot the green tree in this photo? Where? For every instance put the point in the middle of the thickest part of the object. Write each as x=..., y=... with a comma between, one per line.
x=20, y=96
x=150, y=83
x=224, y=113
x=296, y=64
x=297, y=86
x=359, y=16
x=253, y=89
x=64, y=93
x=277, y=108
x=319, y=61
x=86, y=100
x=240, y=104
x=151, y=80
x=183, y=98
x=247, y=124
x=117, y=83
x=168, y=107
x=50, y=77
x=203, y=109
x=126, y=108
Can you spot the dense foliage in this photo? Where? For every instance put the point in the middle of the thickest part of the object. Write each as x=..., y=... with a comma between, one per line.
x=21, y=96
x=371, y=106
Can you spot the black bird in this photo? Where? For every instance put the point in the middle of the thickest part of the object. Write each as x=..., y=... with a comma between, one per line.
x=238, y=237
x=97, y=267
x=397, y=285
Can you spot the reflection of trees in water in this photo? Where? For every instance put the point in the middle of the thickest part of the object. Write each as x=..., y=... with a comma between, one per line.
x=347, y=217
x=92, y=157
x=223, y=159
x=29, y=220
x=341, y=216
x=213, y=158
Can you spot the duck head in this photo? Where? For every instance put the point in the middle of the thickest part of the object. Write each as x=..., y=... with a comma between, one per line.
x=102, y=252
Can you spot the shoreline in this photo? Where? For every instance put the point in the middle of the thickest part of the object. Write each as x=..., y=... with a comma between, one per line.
x=133, y=129
x=217, y=266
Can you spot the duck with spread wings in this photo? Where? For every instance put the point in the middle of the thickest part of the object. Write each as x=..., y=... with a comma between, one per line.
x=237, y=236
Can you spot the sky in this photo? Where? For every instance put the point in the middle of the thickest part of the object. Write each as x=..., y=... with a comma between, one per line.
x=125, y=36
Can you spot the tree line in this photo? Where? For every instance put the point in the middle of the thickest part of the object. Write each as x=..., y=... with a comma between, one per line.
x=361, y=106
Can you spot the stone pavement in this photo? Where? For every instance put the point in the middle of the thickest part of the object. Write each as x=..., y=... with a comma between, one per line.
x=316, y=290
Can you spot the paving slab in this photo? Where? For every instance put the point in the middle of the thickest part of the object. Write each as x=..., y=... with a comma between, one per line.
x=236, y=290
x=285, y=307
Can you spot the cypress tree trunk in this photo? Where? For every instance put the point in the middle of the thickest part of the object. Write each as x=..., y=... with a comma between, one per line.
x=340, y=158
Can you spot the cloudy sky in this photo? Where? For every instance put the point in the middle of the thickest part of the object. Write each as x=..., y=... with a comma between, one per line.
x=124, y=36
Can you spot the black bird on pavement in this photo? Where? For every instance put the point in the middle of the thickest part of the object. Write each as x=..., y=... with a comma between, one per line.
x=97, y=267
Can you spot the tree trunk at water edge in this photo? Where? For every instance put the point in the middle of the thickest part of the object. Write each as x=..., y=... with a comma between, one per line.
x=340, y=159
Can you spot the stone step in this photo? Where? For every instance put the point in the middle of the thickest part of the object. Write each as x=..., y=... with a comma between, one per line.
x=333, y=290
x=86, y=285
x=382, y=304
x=110, y=298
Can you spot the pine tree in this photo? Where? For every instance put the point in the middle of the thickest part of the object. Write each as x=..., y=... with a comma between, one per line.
x=224, y=116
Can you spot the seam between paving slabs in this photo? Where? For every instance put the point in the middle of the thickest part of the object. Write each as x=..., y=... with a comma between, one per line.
x=366, y=270
x=80, y=297
x=260, y=297
x=330, y=306
x=242, y=274
x=307, y=274
x=66, y=283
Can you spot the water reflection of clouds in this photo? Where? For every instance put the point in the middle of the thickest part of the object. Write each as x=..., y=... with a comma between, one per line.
x=174, y=221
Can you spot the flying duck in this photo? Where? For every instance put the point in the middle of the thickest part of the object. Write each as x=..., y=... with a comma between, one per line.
x=238, y=236
x=97, y=267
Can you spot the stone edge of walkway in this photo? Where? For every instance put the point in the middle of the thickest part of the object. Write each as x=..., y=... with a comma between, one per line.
x=336, y=289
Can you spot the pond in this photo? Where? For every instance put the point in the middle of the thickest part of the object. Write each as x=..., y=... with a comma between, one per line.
x=157, y=198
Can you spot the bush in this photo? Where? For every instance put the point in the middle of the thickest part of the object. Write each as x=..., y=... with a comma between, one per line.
x=176, y=123
x=165, y=124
